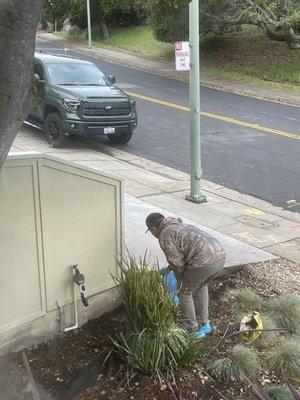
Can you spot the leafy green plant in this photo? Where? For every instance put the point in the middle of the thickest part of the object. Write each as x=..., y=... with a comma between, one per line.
x=242, y=300
x=277, y=392
x=285, y=310
x=146, y=300
x=267, y=337
x=74, y=31
x=154, y=342
x=284, y=359
x=274, y=392
x=159, y=352
x=242, y=362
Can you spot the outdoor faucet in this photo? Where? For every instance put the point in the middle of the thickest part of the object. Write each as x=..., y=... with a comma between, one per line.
x=79, y=279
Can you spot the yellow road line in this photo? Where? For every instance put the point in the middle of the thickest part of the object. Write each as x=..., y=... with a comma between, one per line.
x=216, y=116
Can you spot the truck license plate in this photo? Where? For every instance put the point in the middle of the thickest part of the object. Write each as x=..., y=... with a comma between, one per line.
x=109, y=129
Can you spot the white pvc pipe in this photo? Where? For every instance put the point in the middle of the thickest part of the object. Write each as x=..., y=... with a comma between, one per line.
x=75, y=326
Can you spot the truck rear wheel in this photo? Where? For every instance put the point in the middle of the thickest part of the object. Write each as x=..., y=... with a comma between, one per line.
x=120, y=139
x=54, y=132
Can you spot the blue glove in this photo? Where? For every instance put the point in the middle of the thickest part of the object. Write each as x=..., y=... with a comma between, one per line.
x=171, y=283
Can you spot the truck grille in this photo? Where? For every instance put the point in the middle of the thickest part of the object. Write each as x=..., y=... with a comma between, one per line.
x=105, y=108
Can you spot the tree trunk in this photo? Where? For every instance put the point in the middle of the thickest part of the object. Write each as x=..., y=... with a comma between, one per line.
x=18, y=23
x=293, y=39
x=105, y=34
x=290, y=36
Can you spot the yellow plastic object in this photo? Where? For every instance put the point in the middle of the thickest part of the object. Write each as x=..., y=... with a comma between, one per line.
x=252, y=322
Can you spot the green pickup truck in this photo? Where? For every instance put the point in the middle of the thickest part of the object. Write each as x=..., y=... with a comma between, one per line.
x=80, y=100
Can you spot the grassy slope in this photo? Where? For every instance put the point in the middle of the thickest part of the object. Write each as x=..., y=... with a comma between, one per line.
x=248, y=55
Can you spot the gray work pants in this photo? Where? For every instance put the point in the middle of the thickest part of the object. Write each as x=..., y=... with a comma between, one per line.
x=193, y=294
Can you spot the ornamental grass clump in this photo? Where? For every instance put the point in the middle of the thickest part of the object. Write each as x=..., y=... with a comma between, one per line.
x=242, y=362
x=242, y=300
x=284, y=359
x=274, y=392
x=154, y=341
x=285, y=311
x=146, y=301
x=160, y=352
x=277, y=392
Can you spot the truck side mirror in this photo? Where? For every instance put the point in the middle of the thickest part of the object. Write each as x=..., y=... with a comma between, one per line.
x=37, y=77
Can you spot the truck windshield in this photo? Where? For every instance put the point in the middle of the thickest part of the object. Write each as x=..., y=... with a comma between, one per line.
x=76, y=75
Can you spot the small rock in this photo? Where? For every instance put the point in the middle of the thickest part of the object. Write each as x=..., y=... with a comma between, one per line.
x=163, y=387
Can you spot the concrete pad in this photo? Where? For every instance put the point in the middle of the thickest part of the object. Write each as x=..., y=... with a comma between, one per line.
x=210, y=186
x=286, y=228
x=105, y=165
x=255, y=236
x=27, y=144
x=211, y=198
x=289, y=250
x=139, y=189
x=199, y=213
x=83, y=155
x=147, y=177
x=138, y=241
x=257, y=203
x=234, y=209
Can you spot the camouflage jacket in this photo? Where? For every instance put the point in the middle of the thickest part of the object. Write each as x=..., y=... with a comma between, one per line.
x=186, y=246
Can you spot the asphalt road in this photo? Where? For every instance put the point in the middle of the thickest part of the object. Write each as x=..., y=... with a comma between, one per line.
x=260, y=158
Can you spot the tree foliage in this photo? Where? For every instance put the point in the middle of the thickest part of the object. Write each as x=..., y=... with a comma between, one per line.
x=122, y=12
x=278, y=19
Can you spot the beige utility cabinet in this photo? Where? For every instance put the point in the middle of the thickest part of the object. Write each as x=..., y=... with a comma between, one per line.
x=54, y=214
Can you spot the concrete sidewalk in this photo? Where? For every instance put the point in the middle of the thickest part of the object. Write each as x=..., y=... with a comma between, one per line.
x=166, y=68
x=251, y=229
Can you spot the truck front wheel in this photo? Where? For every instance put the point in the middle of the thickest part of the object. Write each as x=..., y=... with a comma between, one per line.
x=54, y=132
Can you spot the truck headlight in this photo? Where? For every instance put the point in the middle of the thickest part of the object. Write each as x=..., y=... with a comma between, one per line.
x=132, y=104
x=71, y=105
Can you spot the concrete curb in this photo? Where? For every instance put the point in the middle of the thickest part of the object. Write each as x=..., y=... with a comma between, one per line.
x=166, y=69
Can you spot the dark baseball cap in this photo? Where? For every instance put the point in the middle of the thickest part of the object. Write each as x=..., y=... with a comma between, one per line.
x=154, y=219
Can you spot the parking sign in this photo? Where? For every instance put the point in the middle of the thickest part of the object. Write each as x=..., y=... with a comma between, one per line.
x=182, y=56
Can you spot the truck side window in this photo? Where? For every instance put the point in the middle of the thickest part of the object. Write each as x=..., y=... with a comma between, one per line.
x=38, y=69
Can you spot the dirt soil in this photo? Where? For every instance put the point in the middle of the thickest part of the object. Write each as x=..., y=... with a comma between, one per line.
x=71, y=365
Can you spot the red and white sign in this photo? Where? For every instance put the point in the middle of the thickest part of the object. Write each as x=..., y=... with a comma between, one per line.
x=182, y=56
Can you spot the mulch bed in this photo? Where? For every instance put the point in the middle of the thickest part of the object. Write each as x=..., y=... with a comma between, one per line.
x=71, y=365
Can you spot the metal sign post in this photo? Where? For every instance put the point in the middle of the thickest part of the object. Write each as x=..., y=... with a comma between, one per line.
x=89, y=22
x=195, y=194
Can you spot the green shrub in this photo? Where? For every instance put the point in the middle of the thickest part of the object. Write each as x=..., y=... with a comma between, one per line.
x=284, y=359
x=242, y=362
x=277, y=392
x=154, y=342
x=242, y=300
x=96, y=33
x=285, y=311
x=146, y=301
x=267, y=338
x=152, y=352
x=74, y=31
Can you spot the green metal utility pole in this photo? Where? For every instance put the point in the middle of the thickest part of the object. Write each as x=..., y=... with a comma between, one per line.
x=89, y=22
x=195, y=194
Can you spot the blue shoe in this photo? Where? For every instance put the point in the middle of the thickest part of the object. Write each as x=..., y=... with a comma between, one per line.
x=205, y=330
